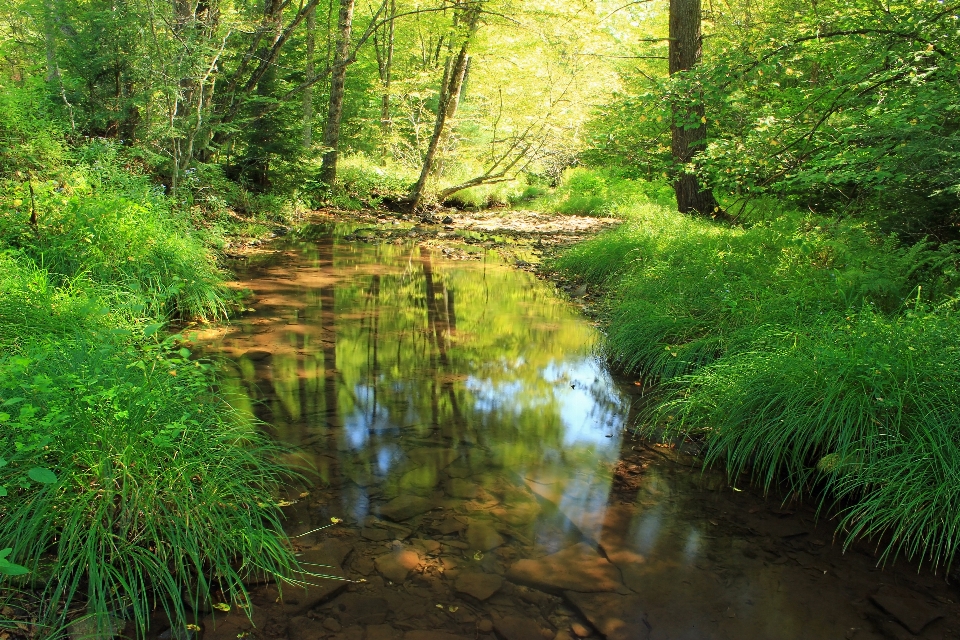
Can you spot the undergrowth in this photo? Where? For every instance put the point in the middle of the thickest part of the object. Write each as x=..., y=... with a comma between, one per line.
x=128, y=479
x=818, y=356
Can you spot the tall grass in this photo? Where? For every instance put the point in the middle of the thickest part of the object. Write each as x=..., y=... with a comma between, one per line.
x=815, y=355
x=161, y=488
x=128, y=480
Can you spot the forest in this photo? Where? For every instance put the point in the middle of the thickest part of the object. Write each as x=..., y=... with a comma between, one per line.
x=784, y=273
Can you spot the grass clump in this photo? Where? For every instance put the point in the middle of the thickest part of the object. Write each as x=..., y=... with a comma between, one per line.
x=815, y=355
x=128, y=482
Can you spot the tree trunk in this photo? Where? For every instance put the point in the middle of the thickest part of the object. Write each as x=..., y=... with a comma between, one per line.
x=686, y=44
x=450, y=88
x=384, y=51
x=331, y=128
x=310, y=71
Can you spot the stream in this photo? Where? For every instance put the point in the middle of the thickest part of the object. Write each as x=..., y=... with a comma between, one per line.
x=455, y=416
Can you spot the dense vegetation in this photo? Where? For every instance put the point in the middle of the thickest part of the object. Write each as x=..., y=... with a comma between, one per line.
x=803, y=325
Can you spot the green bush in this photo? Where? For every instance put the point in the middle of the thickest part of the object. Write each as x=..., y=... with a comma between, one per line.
x=137, y=249
x=128, y=483
x=813, y=354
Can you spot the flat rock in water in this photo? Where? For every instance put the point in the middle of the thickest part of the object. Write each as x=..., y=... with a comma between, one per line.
x=397, y=565
x=421, y=634
x=257, y=355
x=516, y=628
x=910, y=611
x=479, y=585
x=421, y=479
x=483, y=536
x=449, y=525
x=616, y=616
x=576, y=568
x=462, y=489
x=432, y=457
x=405, y=507
x=375, y=534
x=358, y=609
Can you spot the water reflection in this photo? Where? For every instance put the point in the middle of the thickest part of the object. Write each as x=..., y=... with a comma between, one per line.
x=472, y=388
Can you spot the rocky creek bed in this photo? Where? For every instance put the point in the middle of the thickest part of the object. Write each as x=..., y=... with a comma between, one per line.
x=452, y=413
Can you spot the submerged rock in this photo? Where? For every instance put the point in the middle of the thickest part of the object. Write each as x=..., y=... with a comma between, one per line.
x=617, y=617
x=483, y=536
x=517, y=628
x=405, y=507
x=576, y=568
x=397, y=565
x=479, y=585
x=909, y=610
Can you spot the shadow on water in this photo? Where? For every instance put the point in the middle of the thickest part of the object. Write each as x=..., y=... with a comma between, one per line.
x=455, y=415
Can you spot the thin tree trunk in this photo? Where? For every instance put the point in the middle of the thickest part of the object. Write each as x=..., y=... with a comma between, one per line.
x=454, y=72
x=385, y=66
x=310, y=70
x=331, y=128
x=686, y=43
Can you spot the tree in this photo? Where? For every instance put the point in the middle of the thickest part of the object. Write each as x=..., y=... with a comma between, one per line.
x=688, y=130
x=465, y=22
x=342, y=58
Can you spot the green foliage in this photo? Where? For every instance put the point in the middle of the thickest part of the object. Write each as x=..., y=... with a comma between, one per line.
x=602, y=192
x=848, y=109
x=129, y=481
x=807, y=352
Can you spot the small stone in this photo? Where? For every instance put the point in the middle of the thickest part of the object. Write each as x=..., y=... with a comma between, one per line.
x=397, y=565
x=579, y=630
x=730, y=613
x=483, y=536
x=485, y=626
x=479, y=585
x=332, y=624
x=447, y=220
x=350, y=633
x=563, y=635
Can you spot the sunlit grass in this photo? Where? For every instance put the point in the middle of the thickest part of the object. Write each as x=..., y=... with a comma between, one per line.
x=813, y=355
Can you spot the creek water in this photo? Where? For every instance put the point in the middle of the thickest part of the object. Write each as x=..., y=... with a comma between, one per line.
x=455, y=415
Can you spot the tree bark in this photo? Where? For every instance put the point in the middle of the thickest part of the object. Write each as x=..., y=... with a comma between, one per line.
x=384, y=51
x=331, y=128
x=450, y=89
x=686, y=45
x=310, y=71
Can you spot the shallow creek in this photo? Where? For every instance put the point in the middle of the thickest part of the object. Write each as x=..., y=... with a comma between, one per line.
x=456, y=418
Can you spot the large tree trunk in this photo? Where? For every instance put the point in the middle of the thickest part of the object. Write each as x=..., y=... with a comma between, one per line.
x=685, y=50
x=453, y=75
x=331, y=128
